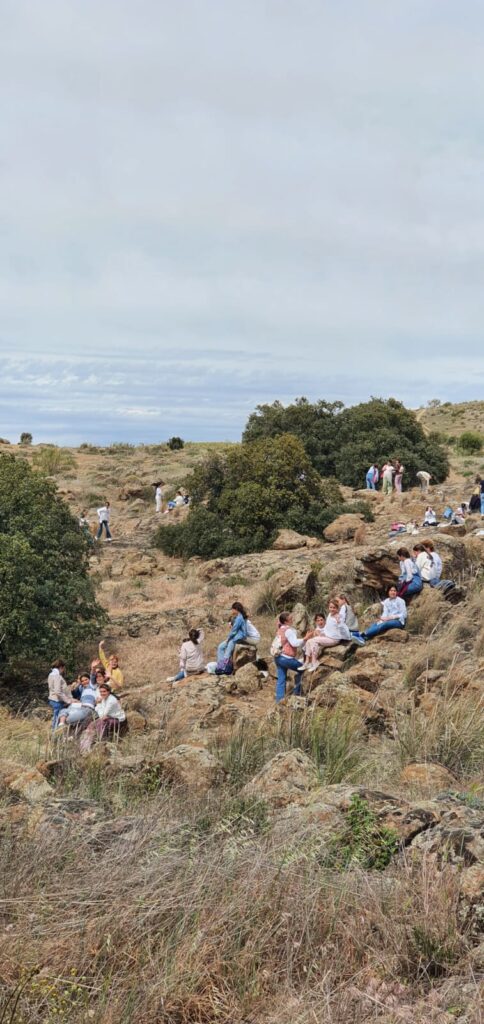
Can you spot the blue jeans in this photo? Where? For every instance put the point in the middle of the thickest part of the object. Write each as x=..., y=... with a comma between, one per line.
x=482, y=503
x=284, y=664
x=100, y=530
x=370, y=484
x=382, y=627
x=57, y=706
x=226, y=648
x=180, y=675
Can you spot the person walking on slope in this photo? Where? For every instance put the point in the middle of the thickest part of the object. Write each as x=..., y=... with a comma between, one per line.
x=104, y=515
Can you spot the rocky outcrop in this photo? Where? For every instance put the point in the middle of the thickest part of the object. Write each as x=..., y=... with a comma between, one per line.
x=285, y=778
x=189, y=766
x=290, y=540
x=343, y=527
x=377, y=569
x=19, y=782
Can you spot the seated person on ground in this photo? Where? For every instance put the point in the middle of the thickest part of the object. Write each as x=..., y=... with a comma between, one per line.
x=409, y=580
x=393, y=616
x=348, y=616
x=192, y=658
x=82, y=707
x=109, y=718
x=436, y=563
x=430, y=519
x=327, y=633
x=177, y=502
x=423, y=562
x=111, y=666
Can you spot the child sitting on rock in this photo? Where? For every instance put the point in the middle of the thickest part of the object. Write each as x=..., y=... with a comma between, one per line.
x=192, y=659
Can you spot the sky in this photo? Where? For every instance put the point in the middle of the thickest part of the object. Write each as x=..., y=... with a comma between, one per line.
x=210, y=204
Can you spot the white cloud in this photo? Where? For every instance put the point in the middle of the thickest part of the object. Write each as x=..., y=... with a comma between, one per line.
x=218, y=206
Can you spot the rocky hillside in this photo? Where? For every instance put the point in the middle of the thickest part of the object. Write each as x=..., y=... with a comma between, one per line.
x=230, y=862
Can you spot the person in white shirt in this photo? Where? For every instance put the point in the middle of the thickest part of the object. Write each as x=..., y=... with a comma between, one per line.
x=436, y=563
x=393, y=616
x=192, y=659
x=430, y=519
x=387, y=475
x=104, y=515
x=327, y=633
x=423, y=562
x=424, y=479
x=110, y=717
x=158, y=495
x=287, y=659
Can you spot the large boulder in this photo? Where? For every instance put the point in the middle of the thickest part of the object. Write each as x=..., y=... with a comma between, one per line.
x=300, y=618
x=244, y=654
x=290, y=540
x=189, y=766
x=287, y=777
x=343, y=527
x=295, y=582
x=247, y=680
x=19, y=782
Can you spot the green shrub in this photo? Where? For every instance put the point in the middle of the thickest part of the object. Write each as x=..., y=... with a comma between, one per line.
x=344, y=442
x=175, y=443
x=47, y=600
x=470, y=442
x=240, y=500
x=25, y=437
x=54, y=461
x=363, y=841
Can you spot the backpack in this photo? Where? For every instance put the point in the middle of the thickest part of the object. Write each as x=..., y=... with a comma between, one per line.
x=224, y=667
x=276, y=646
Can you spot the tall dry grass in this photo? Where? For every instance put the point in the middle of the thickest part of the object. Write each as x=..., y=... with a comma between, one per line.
x=168, y=920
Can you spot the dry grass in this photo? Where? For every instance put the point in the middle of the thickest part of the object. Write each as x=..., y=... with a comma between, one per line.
x=182, y=921
x=452, y=735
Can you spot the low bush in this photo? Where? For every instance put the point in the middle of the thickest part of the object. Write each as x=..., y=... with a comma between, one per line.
x=53, y=461
x=25, y=437
x=470, y=442
x=364, y=840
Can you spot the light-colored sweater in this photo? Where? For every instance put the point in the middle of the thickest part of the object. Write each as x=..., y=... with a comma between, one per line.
x=58, y=688
x=110, y=708
x=191, y=655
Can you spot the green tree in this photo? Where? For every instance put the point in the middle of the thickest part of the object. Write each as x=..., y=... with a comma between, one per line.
x=47, y=600
x=240, y=500
x=344, y=442
x=470, y=442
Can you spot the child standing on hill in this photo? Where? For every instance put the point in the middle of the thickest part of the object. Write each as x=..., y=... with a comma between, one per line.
x=104, y=515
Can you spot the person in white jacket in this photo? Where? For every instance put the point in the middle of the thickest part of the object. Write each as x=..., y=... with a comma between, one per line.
x=110, y=716
x=192, y=659
x=393, y=616
x=104, y=515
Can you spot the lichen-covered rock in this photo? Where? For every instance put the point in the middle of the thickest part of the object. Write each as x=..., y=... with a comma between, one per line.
x=248, y=679
x=23, y=783
x=289, y=540
x=285, y=778
x=244, y=654
x=189, y=766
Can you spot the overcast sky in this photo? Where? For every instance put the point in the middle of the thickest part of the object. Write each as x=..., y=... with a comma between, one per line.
x=207, y=204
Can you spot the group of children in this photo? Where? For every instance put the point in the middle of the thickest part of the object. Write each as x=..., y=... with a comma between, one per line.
x=192, y=659
x=391, y=475
x=89, y=706
x=181, y=498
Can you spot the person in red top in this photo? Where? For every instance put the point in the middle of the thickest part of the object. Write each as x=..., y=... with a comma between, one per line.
x=287, y=660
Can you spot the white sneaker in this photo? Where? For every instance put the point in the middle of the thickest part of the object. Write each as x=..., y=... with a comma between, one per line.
x=303, y=668
x=170, y=679
x=312, y=668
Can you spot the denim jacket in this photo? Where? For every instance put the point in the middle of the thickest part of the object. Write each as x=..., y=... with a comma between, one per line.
x=239, y=628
